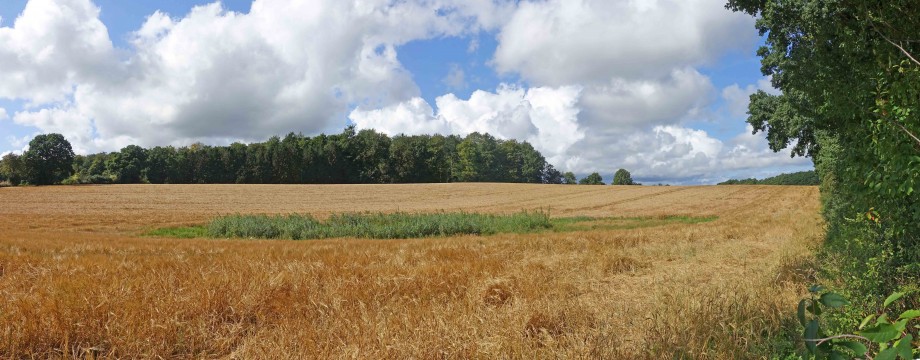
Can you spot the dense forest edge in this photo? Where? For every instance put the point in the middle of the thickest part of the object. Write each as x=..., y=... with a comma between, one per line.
x=848, y=77
x=351, y=157
x=797, y=178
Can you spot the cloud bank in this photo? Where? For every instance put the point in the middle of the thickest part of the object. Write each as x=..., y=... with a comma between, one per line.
x=603, y=84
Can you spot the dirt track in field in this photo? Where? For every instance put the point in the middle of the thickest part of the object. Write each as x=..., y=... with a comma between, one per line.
x=76, y=275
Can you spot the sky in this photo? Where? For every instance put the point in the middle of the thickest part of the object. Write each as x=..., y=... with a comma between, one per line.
x=658, y=87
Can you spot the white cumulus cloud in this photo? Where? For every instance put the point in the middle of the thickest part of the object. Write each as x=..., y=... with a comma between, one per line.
x=602, y=84
x=677, y=154
x=620, y=103
x=215, y=75
x=53, y=46
x=737, y=98
x=559, y=42
x=546, y=117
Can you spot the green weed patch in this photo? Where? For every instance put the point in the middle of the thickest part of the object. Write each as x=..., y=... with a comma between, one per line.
x=402, y=225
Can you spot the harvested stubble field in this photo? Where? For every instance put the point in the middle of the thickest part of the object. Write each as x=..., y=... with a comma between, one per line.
x=77, y=279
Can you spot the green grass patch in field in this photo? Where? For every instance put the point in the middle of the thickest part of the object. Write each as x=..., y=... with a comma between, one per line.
x=402, y=225
x=375, y=225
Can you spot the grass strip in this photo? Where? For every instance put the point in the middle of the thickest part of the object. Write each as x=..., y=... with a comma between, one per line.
x=401, y=225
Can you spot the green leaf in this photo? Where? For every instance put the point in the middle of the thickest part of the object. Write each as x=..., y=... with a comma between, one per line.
x=833, y=300
x=910, y=314
x=892, y=298
x=814, y=308
x=856, y=347
x=866, y=320
x=883, y=319
x=880, y=333
x=810, y=335
x=903, y=347
x=801, y=312
x=816, y=288
x=900, y=325
x=887, y=354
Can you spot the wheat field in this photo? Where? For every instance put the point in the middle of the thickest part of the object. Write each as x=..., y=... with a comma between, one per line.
x=78, y=279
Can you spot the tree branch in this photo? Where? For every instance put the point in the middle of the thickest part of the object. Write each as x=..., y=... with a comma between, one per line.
x=821, y=341
x=844, y=336
x=905, y=130
x=911, y=57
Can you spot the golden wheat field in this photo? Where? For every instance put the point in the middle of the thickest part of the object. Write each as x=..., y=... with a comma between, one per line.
x=77, y=279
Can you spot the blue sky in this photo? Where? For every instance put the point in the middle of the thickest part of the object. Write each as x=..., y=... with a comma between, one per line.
x=658, y=87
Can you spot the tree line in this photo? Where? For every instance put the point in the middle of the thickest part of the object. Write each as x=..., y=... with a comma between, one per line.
x=350, y=157
x=797, y=178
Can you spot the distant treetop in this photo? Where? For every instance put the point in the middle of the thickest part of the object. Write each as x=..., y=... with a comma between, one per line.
x=623, y=177
x=593, y=179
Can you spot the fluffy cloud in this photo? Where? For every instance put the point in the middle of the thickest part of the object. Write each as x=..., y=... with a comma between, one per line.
x=677, y=154
x=604, y=84
x=3, y=114
x=619, y=104
x=214, y=75
x=21, y=143
x=51, y=48
x=657, y=147
x=636, y=64
x=546, y=117
x=78, y=129
x=412, y=117
x=737, y=98
x=560, y=42
x=751, y=151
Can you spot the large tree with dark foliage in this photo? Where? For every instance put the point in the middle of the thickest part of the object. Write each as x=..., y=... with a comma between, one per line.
x=849, y=76
x=49, y=159
x=551, y=175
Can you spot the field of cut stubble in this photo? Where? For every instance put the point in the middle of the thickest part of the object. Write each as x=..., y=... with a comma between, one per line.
x=78, y=280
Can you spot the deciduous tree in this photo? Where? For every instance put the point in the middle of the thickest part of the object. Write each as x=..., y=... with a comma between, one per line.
x=12, y=169
x=622, y=177
x=593, y=179
x=49, y=159
x=569, y=178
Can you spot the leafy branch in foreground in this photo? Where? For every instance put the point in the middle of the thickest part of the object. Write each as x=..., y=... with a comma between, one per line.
x=886, y=338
